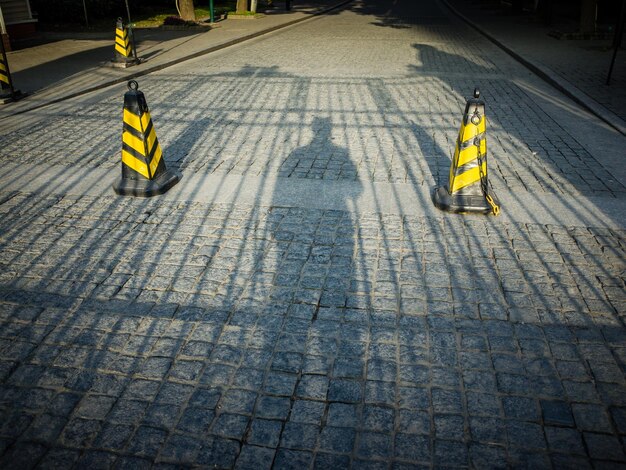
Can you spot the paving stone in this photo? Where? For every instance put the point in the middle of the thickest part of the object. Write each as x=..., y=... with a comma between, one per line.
x=312, y=387
x=280, y=384
x=205, y=398
x=113, y=436
x=96, y=459
x=337, y=439
x=300, y=436
x=218, y=452
x=449, y=427
x=238, y=401
x=346, y=391
x=94, y=406
x=450, y=453
x=196, y=420
x=23, y=455
x=45, y=428
x=521, y=408
x=292, y=459
x=619, y=418
x=270, y=407
x=590, y=417
x=253, y=457
x=327, y=460
x=525, y=435
x=128, y=463
x=446, y=401
x=127, y=411
x=147, y=441
x=564, y=440
x=164, y=416
x=80, y=432
x=557, y=413
x=230, y=426
x=492, y=430
x=59, y=458
x=265, y=433
x=414, y=422
x=483, y=455
x=181, y=449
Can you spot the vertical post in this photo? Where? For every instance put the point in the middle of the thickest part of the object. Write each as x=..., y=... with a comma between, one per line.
x=132, y=32
x=85, y=9
x=617, y=39
x=211, y=11
x=588, y=16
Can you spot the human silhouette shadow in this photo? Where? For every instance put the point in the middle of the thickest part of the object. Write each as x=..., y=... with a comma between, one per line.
x=321, y=158
x=316, y=266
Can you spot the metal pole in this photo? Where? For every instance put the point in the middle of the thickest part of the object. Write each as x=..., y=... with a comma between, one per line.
x=211, y=11
x=85, y=9
x=617, y=40
x=132, y=32
x=6, y=64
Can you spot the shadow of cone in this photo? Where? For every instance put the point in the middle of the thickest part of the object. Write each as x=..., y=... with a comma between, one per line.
x=468, y=186
x=143, y=167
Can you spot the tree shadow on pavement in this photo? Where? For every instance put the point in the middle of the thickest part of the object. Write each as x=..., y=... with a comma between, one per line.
x=172, y=328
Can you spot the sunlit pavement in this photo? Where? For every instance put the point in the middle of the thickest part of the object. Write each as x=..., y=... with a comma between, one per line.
x=296, y=300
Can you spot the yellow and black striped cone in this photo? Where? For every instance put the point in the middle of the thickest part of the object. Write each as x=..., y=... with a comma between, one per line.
x=143, y=167
x=468, y=186
x=5, y=81
x=7, y=92
x=124, y=48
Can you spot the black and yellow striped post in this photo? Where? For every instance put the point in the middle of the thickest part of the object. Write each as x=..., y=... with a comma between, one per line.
x=7, y=92
x=468, y=186
x=143, y=167
x=125, y=54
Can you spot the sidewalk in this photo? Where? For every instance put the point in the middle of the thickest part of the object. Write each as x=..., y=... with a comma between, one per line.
x=67, y=67
x=577, y=68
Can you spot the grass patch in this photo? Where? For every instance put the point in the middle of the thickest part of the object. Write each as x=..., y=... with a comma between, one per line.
x=158, y=19
x=144, y=17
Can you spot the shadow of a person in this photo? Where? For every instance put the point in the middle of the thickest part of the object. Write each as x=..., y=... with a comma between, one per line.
x=321, y=158
x=318, y=263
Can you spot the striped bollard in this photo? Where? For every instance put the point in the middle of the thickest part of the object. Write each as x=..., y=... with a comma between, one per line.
x=468, y=187
x=143, y=167
x=7, y=92
x=125, y=54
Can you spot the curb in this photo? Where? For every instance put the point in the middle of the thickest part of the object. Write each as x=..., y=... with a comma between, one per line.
x=550, y=77
x=165, y=65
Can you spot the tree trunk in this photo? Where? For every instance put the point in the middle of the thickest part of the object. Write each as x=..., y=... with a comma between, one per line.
x=588, y=16
x=186, y=10
x=242, y=6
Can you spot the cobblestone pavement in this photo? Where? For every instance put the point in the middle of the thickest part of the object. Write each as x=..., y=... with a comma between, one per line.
x=191, y=332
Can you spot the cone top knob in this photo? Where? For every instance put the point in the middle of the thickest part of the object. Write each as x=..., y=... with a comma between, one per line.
x=476, y=93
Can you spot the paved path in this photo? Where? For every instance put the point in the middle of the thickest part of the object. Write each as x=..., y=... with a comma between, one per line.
x=68, y=66
x=296, y=301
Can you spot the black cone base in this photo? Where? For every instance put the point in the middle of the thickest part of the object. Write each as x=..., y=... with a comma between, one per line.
x=9, y=98
x=144, y=187
x=124, y=62
x=458, y=204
